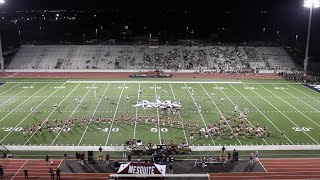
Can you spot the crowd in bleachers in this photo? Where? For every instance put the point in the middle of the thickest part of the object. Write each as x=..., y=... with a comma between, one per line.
x=301, y=77
x=220, y=58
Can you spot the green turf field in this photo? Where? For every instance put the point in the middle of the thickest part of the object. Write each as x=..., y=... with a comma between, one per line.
x=278, y=105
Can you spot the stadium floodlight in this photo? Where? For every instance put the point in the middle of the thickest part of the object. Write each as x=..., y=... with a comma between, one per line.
x=1, y=1
x=312, y=3
x=309, y=4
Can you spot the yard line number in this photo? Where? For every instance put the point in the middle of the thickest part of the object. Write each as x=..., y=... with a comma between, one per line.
x=17, y=129
x=107, y=129
x=305, y=129
x=156, y=130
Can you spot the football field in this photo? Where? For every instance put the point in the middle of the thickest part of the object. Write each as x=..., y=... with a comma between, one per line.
x=277, y=105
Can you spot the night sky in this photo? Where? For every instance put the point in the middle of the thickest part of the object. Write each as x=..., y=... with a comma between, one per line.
x=287, y=16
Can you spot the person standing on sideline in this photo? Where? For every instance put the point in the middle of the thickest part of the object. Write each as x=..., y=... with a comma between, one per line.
x=256, y=156
x=65, y=156
x=47, y=159
x=100, y=149
x=170, y=168
x=51, y=171
x=58, y=173
x=26, y=173
x=251, y=158
x=1, y=171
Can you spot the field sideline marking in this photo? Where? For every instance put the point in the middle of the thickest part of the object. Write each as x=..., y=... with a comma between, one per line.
x=260, y=112
x=115, y=112
x=182, y=121
x=158, y=82
x=52, y=112
x=303, y=92
x=29, y=112
x=238, y=110
x=73, y=113
x=15, y=108
x=194, y=102
x=155, y=92
x=19, y=170
x=220, y=112
x=15, y=95
x=94, y=112
x=284, y=115
x=10, y=88
x=295, y=107
x=193, y=148
x=135, y=123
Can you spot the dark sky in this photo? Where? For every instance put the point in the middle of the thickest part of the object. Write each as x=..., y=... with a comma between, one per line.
x=289, y=16
x=141, y=4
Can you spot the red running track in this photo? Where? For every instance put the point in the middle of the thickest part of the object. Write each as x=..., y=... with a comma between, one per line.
x=39, y=170
x=280, y=168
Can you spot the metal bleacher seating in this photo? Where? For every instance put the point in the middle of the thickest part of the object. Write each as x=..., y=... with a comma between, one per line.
x=147, y=57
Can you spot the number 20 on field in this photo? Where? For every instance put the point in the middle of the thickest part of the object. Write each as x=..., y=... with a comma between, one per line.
x=301, y=129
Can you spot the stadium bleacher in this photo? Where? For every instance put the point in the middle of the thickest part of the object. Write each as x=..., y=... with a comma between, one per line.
x=149, y=57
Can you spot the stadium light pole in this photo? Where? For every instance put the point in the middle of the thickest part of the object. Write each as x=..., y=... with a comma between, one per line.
x=1, y=56
x=309, y=4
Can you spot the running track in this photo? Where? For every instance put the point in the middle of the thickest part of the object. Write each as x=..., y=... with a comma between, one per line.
x=39, y=170
x=281, y=168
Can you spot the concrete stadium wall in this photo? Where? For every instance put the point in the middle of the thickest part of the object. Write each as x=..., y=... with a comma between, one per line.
x=120, y=70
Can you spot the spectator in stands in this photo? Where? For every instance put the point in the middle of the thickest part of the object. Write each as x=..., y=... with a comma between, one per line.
x=1, y=172
x=26, y=173
x=58, y=171
x=47, y=159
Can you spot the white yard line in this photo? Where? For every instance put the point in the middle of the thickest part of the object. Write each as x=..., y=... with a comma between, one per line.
x=60, y=163
x=28, y=114
x=304, y=92
x=94, y=112
x=135, y=123
x=73, y=113
x=293, y=106
x=194, y=102
x=219, y=111
x=19, y=170
x=155, y=92
x=283, y=114
x=260, y=112
x=182, y=122
x=159, y=82
x=115, y=112
x=237, y=109
x=23, y=103
x=9, y=88
x=54, y=110
x=15, y=95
